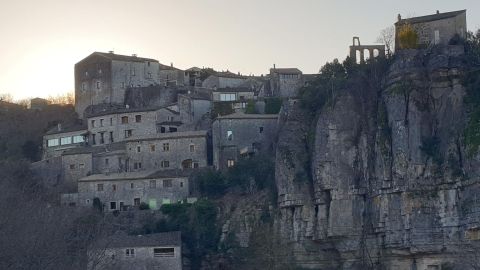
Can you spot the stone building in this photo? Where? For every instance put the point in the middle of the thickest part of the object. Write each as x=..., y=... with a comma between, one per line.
x=194, y=108
x=223, y=80
x=285, y=82
x=104, y=78
x=241, y=134
x=38, y=104
x=192, y=76
x=123, y=191
x=137, y=252
x=435, y=29
x=171, y=76
x=63, y=137
x=180, y=150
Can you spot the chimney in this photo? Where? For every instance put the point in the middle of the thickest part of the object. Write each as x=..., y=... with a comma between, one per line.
x=171, y=64
x=274, y=66
x=134, y=55
x=438, y=12
x=110, y=52
x=59, y=127
x=399, y=17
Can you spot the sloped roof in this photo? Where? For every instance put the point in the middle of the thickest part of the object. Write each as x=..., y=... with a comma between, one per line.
x=106, y=109
x=120, y=240
x=126, y=58
x=434, y=17
x=240, y=115
x=118, y=146
x=286, y=70
x=66, y=128
x=148, y=174
x=233, y=89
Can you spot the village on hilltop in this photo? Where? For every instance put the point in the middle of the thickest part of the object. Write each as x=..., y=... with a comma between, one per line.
x=145, y=128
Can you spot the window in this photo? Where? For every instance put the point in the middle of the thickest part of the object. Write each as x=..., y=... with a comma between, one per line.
x=123, y=85
x=102, y=137
x=152, y=147
x=106, y=161
x=114, y=187
x=195, y=165
x=124, y=119
x=136, y=201
x=94, y=139
x=132, y=72
x=138, y=118
x=128, y=133
x=100, y=71
x=261, y=130
x=81, y=165
x=86, y=73
x=111, y=121
x=111, y=136
x=153, y=184
x=167, y=183
x=72, y=166
x=78, y=139
x=132, y=185
x=129, y=252
x=192, y=148
x=164, y=252
x=66, y=140
x=139, y=149
x=166, y=201
x=230, y=163
x=229, y=135
x=172, y=129
x=137, y=165
x=52, y=142
x=165, y=164
x=92, y=123
x=99, y=187
x=101, y=122
x=227, y=97
x=84, y=86
x=181, y=184
x=437, y=37
x=166, y=147
x=98, y=85
x=149, y=75
x=113, y=205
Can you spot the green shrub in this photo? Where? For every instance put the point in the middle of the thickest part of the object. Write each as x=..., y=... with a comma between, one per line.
x=273, y=105
x=144, y=206
x=222, y=108
x=211, y=183
x=250, y=109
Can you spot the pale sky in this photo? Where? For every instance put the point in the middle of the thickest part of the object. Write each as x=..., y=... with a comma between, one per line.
x=41, y=40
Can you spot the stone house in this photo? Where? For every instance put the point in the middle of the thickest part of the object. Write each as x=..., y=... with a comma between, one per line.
x=38, y=104
x=242, y=134
x=63, y=137
x=104, y=78
x=170, y=75
x=116, y=123
x=194, y=107
x=192, y=76
x=436, y=29
x=137, y=252
x=126, y=190
x=180, y=150
x=223, y=80
x=285, y=82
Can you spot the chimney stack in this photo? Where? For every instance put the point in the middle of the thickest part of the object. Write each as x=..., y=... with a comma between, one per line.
x=171, y=64
x=134, y=55
x=399, y=17
x=438, y=11
x=110, y=52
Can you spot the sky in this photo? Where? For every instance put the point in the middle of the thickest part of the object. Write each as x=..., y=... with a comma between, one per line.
x=41, y=40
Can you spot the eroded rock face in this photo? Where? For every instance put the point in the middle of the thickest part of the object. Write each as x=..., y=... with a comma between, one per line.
x=391, y=185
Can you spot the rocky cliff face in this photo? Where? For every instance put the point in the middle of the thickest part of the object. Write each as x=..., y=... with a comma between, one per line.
x=390, y=183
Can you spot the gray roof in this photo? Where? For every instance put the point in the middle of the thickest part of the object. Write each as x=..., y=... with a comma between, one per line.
x=173, y=135
x=118, y=146
x=120, y=240
x=66, y=128
x=171, y=123
x=240, y=115
x=197, y=95
x=119, y=57
x=233, y=89
x=139, y=175
x=106, y=109
x=286, y=70
x=430, y=18
x=228, y=74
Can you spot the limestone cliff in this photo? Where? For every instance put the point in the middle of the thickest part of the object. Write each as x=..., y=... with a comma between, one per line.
x=391, y=185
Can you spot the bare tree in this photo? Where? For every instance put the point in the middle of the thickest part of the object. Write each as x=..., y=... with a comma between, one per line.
x=6, y=97
x=62, y=99
x=387, y=37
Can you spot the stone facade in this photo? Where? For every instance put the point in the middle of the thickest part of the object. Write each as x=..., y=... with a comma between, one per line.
x=104, y=78
x=437, y=29
x=138, y=252
x=180, y=150
x=241, y=134
x=194, y=108
x=285, y=82
x=122, y=191
x=223, y=80
x=38, y=104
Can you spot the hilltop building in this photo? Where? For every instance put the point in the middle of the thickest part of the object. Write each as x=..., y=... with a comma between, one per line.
x=285, y=82
x=436, y=29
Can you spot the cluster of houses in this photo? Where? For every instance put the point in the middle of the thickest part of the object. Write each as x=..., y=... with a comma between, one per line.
x=145, y=128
